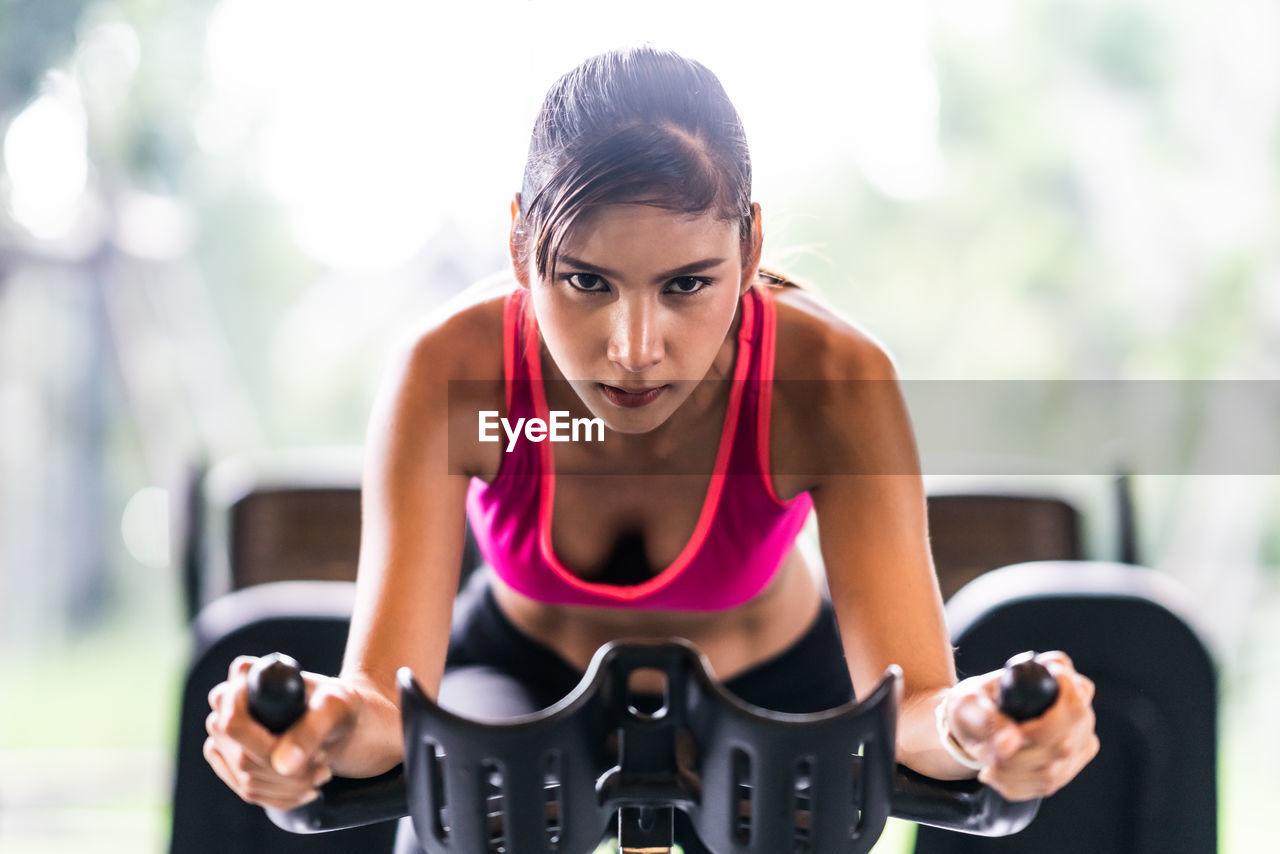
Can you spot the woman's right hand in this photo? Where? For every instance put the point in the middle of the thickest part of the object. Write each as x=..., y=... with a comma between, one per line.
x=281, y=771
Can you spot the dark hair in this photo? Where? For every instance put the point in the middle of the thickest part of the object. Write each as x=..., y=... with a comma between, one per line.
x=639, y=125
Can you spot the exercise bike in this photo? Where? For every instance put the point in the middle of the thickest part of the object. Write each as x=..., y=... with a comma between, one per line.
x=751, y=781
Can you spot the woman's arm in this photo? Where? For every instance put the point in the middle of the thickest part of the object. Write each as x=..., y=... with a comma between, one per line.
x=872, y=527
x=412, y=540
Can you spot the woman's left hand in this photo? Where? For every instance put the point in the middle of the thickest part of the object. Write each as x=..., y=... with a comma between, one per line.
x=1034, y=758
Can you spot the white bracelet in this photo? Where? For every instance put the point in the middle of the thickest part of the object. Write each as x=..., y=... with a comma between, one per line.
x=949, y=743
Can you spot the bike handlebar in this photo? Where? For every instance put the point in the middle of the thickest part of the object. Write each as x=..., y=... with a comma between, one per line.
x=792, y=755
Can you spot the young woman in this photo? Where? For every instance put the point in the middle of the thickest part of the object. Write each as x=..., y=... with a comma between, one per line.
x=734, y=404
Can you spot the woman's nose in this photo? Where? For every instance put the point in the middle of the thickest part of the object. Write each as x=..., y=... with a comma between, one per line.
x=635, y=342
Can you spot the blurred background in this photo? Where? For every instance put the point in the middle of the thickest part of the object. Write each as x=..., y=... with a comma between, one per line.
x=217, y=215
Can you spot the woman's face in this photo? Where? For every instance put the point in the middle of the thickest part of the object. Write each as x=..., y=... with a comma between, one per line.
x=638, y=309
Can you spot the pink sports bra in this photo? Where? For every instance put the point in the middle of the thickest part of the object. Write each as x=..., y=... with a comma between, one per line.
x=742, y=534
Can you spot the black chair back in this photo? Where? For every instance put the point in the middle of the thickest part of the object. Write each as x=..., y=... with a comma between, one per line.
x=1151, y=790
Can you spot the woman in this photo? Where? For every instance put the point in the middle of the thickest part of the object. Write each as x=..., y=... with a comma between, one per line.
x=733, y=405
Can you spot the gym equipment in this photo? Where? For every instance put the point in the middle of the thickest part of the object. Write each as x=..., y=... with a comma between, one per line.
x=307, y=620
x=751, y=780
x=284, y=516
x=974, y=532
x=1132, y=630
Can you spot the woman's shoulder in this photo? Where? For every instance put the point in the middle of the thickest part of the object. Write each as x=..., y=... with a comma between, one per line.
x=816, y=342
x=836, y=402
x=462, y=339
x=444, y=372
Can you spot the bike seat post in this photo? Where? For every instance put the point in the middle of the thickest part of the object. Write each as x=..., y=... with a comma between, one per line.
x=649, y=780
x=646, y=830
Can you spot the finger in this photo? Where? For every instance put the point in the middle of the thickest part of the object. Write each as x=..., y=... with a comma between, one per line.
x=263, y=787
x=277, y=792
x=1055, y=656
x=240, y=666
x=1014, y=790
x=217, y=693
x=1042, y=771
x=244, y=775
x=284, y=802
x=1038, y=757
x=250, y=782
x=973, y=711
x=218, y=763
x=1073, y=711
x=1083, y=686
x=244, y=742
x=993, y=741
x=1063, y=670
x=980, y=729
x=1076, y=744
x=1019, y=783
x=231, y=722
x=330, y=715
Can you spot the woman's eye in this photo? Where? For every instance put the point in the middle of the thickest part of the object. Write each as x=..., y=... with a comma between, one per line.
x=588, y=282
x=687, y=285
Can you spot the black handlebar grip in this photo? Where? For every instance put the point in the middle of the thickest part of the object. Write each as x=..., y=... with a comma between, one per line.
x=1027, y=688
x=277, y=694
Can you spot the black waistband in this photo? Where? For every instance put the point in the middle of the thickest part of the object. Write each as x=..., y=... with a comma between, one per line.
x=809, y=676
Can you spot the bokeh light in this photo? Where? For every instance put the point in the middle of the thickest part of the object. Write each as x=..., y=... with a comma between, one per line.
x=144, y=526
x=46, y=161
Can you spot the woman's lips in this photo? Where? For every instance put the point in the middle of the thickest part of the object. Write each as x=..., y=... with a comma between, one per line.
x=631, y=397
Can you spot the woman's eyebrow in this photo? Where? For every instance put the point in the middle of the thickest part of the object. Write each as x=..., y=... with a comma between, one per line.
x=570, y=261
x=682, y=270
x=693, y=267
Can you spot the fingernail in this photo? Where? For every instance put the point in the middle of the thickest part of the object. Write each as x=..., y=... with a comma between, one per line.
x=322, y=777
x=309, y=797
x=288, y=760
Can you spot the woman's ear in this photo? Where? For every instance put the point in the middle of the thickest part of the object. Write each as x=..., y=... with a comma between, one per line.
x=752, y=249
x=517, y=245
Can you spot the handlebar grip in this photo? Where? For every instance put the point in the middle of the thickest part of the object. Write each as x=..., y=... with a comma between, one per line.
x=1027, y=688
x=277, y=699
x=277, y=694
x=965, y=806
x=345, y=802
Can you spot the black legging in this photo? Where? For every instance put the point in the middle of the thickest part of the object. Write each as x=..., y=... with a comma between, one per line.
x=494, y=670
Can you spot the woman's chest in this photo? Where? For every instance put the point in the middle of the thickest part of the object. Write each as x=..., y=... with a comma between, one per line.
x=624, y=529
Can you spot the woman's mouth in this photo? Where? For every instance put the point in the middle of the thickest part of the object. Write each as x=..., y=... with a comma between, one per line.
x=631, y=397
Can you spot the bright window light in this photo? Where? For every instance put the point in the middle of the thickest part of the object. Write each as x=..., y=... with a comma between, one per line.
x=46, y=162
x=375, y=122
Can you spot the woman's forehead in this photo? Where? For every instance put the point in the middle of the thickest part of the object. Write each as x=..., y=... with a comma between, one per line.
x=613, y=228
